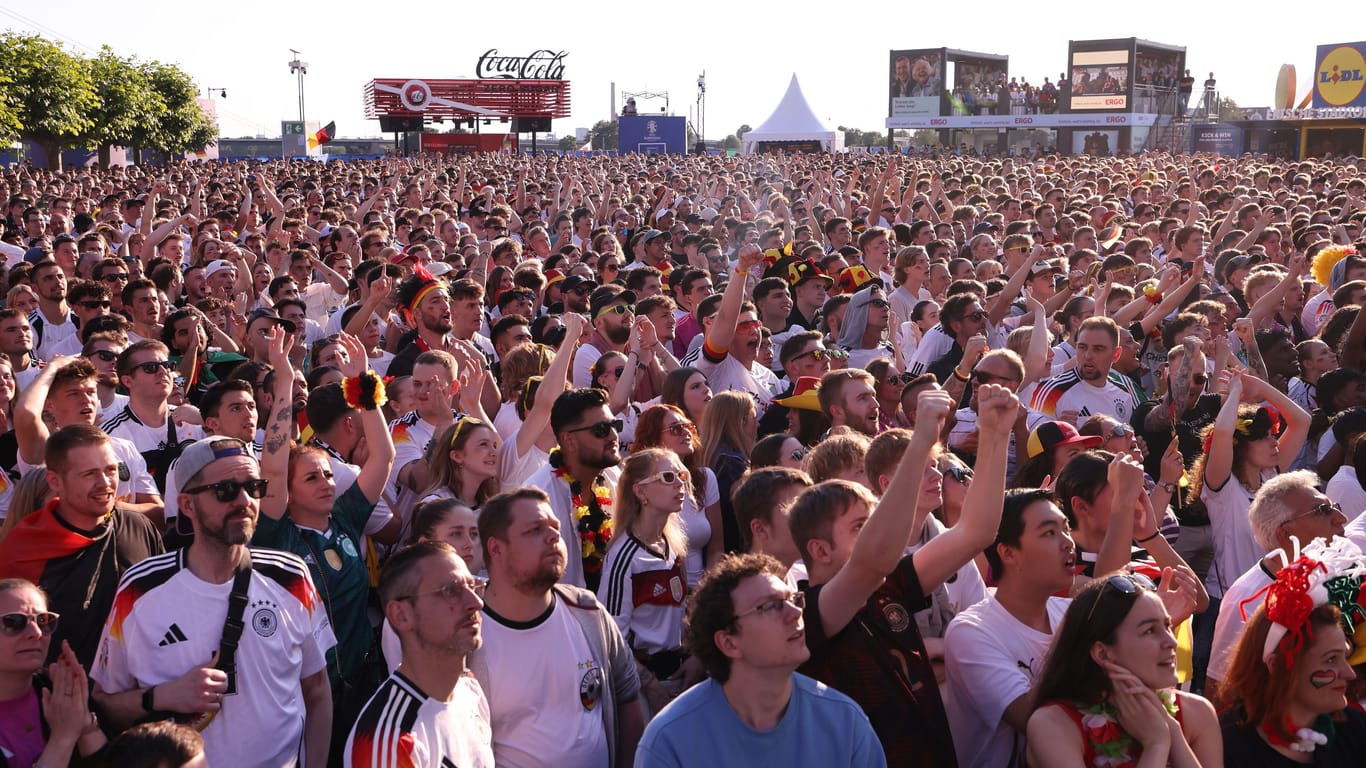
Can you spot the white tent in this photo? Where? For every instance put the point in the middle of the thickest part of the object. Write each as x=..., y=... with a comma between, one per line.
x=793, y=121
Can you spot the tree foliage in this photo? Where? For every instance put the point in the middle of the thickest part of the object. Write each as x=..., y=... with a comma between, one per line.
x=61, y=99
x=49, y=91
x=567, y=144
x=604, y=134
x=731, y=142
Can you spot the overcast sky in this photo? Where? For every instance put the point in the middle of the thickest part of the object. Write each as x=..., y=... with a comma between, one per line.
x=749, y=51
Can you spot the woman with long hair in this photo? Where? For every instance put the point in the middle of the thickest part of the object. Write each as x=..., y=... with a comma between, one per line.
x=888, y=383
x=8, y=390
x=727, y=432
x=1248, y=444
x=665, y=426
x=686, y=389
x=1050, y=446
x=644, y=585
x=517, y=366
x=1107, y=694
x=1076, y=311
x=1292, y=667
x=463, y=463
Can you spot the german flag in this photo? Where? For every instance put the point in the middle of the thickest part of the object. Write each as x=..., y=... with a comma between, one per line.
x=323, y=136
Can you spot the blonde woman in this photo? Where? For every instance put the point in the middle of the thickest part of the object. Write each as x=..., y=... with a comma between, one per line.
x=644, y=584
x=463, y=463
x=728, y=429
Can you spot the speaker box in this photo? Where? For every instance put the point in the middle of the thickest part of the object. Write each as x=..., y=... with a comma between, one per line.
x=531, y=124
x=400, y=124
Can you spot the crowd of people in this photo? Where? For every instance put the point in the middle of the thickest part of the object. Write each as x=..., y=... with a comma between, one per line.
x=663, y=461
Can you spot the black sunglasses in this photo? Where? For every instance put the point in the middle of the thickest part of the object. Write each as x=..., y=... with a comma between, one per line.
x=1124, y=583
x=154, y=365
x=95, y=304
x=115, y=277
x=106, y=355
x=899, y=378
x=227, y=490
x=602, y=429
x=961, y=475
x=14, y=624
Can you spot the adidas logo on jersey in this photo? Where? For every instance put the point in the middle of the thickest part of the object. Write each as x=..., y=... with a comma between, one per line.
x=173, y=635
x=658, y=590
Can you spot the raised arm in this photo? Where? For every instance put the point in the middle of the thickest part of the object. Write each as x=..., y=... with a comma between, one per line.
x=937, y=561
x=1297, y=420
x=728, y=314
x=374, y=473
x=279, y=425
x=556, y=377
x=375, y=293
x=30, y=431
x=882, y=542
x=1219, y=459
x=1001, y=304
x=1264, y=311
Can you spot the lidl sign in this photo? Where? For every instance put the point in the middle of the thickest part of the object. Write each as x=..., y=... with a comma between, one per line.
x=1340, y=75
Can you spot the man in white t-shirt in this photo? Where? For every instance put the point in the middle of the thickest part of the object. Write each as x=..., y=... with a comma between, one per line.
x=434, y=388
x=561, y=682
x=1087, y=389
x=731, y=345
x=1288, y=512
x=431, y=709
x=161, y=649
x=994, y=649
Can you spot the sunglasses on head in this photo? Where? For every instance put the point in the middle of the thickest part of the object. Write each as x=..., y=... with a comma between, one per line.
x=227, y=490
x=155, y=365
x=14, y=624
x=602, y=429
x=1123, y=583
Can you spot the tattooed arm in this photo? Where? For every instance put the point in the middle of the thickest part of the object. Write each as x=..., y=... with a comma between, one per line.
x=279, y=425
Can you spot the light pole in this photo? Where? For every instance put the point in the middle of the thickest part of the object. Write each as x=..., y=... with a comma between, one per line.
x=299, y=68
x=702, y=110
x=222, y=92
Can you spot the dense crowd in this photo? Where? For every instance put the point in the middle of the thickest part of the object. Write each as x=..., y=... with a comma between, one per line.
x=664, y=461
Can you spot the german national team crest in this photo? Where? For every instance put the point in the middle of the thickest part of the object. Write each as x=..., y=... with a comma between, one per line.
x=590, y=688
x=676, y=589
x=264, y=622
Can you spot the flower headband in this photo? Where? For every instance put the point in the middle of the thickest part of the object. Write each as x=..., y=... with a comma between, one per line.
x=1325, y=571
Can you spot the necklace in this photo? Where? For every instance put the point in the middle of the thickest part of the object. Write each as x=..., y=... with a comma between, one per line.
x=592, y=516
x=1100, y=721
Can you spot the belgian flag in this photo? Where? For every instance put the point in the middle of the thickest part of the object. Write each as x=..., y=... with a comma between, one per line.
x=323, y=136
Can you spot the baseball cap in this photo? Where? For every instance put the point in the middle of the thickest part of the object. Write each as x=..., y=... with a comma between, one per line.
x=606, y=296
x=269, y=312
x=439, y=268
x=553, y=276
x=202, y=453
x=216, y=266
x=649, y=235
x=1041, y=267
x=574, y=281
x=1053, y=434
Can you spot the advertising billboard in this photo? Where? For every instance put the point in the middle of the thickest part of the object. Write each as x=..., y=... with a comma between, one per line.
x=1340, y=75
x=917, y=82
x=1100, y=80
x=653, y=134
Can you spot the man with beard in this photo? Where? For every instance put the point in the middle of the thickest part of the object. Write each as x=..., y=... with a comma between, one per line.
x=1086, y=390
x=848, y=398
x=865, y=323
x=229, y=410
x=53, y=321
x=431, y=708
x=163, y=652
x=561, y=682
x=612, y=313
x=586, y=459
x=79, y=545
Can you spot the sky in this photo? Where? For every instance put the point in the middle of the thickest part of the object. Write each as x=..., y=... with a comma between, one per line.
x=748, y=51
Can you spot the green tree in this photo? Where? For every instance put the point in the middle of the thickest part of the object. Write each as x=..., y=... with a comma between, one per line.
x=568, y=144
x=925, y=137
x=742, y=130
x=731, y=142
x=49, y=93
x=182, y=126
x=127, y=102
x=604, y=134
x=1228, y=109
x=9, y=121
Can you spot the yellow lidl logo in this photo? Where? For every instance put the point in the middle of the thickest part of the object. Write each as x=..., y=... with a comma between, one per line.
x=1341, y=76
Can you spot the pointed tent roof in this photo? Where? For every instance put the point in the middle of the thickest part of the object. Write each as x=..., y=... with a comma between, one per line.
x=793, y=120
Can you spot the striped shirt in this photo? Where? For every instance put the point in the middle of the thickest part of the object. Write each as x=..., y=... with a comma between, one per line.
x=401, y=726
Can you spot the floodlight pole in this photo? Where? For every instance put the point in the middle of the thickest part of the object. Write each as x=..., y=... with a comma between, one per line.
x=299, y=69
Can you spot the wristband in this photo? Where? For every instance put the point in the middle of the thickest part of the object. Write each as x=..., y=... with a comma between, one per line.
x=1168, y=487
x=148, y=705
x=365, y=391
x=961, y=377
x=1150, y=538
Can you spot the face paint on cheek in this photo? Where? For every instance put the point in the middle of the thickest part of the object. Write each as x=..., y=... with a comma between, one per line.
x=1322, y=678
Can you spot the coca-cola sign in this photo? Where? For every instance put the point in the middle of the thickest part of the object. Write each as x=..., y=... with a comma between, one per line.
x=539, y=65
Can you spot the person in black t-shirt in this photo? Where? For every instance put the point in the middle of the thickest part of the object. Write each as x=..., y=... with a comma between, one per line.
x=864, y=590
